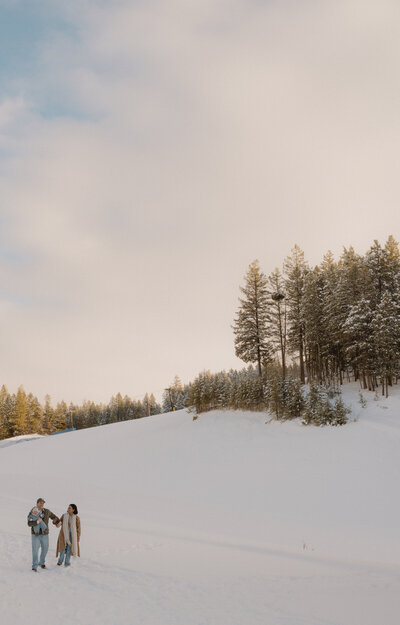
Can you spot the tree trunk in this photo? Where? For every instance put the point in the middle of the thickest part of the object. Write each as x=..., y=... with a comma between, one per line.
x=302, y=372
x=364, y=381
x=259, y=362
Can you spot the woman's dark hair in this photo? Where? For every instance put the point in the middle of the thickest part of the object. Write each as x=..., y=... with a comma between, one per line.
x=74, y=508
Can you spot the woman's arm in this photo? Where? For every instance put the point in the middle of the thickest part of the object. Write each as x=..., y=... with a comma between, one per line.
x=78, y=527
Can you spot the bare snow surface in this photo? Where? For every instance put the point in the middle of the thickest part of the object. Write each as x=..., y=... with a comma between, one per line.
x=224, y=520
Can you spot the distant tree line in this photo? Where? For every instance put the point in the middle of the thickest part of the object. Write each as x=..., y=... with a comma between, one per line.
x=22, y=413
x=339, y=320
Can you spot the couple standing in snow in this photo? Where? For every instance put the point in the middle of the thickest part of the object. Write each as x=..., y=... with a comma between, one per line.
x=68, y=538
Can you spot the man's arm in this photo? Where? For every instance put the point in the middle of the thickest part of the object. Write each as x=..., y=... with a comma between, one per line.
x=31, y=523
x=54, y=517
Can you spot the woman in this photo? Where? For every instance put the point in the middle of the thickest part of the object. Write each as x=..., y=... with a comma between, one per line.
x=69, y=536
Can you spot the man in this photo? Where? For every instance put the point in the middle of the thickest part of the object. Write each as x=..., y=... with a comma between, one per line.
x=42, y=538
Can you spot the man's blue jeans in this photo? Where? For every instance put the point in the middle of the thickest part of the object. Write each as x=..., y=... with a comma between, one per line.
x=41, y=541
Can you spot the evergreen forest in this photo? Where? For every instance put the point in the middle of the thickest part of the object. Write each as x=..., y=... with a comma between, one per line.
x=305, y=331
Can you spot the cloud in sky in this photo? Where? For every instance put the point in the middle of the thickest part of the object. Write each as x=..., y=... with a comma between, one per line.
x=151, y=150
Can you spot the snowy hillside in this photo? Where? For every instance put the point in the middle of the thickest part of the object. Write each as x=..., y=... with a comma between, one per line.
x=223, y=520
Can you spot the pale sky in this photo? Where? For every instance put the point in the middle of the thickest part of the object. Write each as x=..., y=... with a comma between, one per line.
x=151, y=150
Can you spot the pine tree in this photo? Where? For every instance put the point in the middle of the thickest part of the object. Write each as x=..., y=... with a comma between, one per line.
x=61, y=416
x=179, y=394
x=295, y=269
x=34, y=414
x=312, y=319
x=317, y=409
x=252, y=340
x=117, y=408
x=48, y=416
x=332, y=351
x=385, y=327
x=222, y=389
x=5, y=425
x=155, y=407
x=9, y=410
x=91, y=415
x=274, y=396
x=207, y=391
x=360, y=349
x=393, y=272
x=147, y=404
x=352, y=283
x=294, y=399
x=20, y=413
x=194, y=395
x=339, y=413
x=278, y=316
x=174, y=397
x=378, y=263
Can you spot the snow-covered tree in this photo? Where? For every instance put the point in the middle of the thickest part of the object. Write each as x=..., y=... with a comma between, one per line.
x=175, y=396
x=377, y=261
x=360, y=348
x=385, y=328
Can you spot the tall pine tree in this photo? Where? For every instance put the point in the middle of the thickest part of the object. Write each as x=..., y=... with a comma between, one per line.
x=252, y=338
x=295, y=269
x=278, y=316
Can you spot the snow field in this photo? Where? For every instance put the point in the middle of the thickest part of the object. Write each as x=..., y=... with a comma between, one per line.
x=223, y=520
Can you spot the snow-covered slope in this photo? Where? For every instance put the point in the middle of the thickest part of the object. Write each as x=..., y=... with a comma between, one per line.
x=222, y=520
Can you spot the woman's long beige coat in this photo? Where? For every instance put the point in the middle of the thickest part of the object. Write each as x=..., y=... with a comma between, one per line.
x=61, y=539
